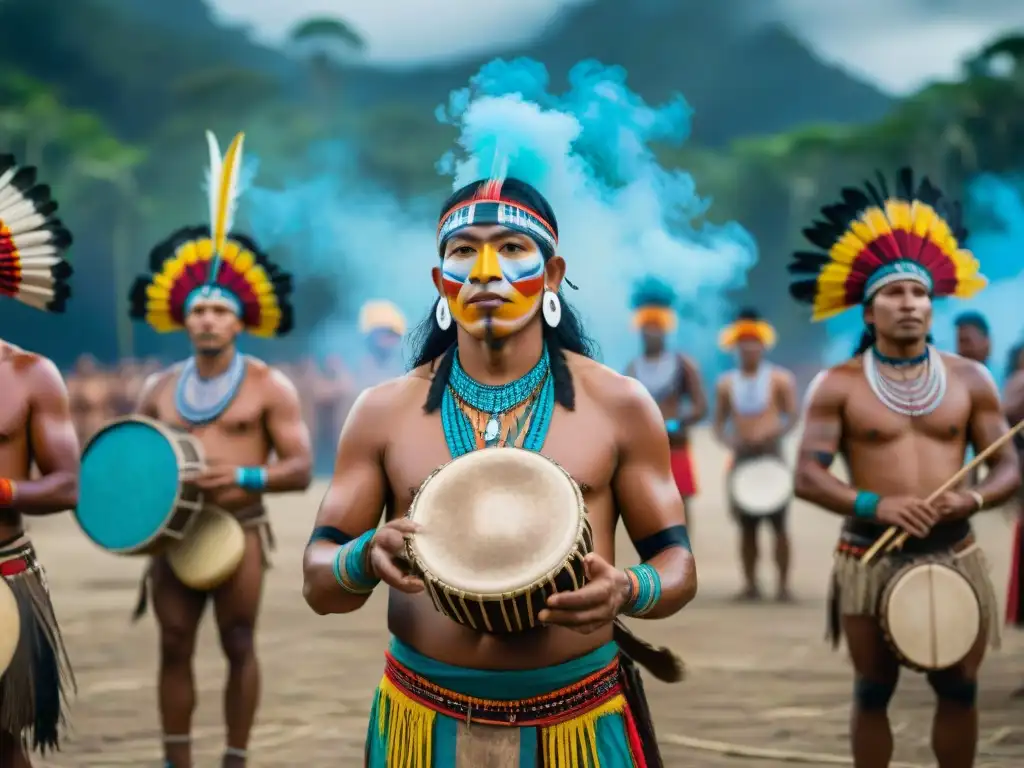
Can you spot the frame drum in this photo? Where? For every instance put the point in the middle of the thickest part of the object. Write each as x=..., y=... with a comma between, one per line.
x=502, y=529
x=760, y=486
x=930, y=616
x=10, y=625
x=211, y=552
x=131, y=495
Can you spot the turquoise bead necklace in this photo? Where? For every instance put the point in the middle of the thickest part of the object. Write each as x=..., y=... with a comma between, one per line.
x=536, y=390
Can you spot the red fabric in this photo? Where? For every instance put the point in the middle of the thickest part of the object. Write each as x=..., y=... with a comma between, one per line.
x=13, y=567
x=683, y=472
x=636, y=747
x=1014, y=612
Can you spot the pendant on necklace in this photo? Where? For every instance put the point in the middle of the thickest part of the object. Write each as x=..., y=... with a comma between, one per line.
x=492, y=429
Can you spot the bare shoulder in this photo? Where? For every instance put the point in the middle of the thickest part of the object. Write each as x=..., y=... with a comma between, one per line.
x=39, y=372
x=381, y=403
x=156, y=382
x=831, y=386
x=975, y=376
x=783, y=376
x=621, y=396
x=722, y=382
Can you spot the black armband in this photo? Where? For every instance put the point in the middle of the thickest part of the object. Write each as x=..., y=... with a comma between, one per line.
x=674, y=536
x=331, y=534
x=824, y=458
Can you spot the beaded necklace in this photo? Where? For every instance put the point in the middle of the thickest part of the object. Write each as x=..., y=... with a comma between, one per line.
x=917, y=396
x=467, y=403
x=199, y=400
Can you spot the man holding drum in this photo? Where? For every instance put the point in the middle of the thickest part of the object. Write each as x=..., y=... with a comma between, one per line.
x=755, y=408
x=214, y=284
x=1013, y=405
x=901, y=414
x=35, y=429
x=513, y=369
x=670, y=377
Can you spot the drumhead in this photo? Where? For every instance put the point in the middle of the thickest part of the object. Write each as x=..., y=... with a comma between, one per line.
x=210, y=553
x=10, y=625
x=496, y=520
x=761, y=486
x=932, y=615
x=128, y=484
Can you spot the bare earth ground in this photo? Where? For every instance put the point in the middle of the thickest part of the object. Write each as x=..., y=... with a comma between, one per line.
x=760, y=676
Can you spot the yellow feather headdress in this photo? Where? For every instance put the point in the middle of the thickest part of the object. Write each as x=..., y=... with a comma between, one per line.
x=872, y=238
x=212, y=263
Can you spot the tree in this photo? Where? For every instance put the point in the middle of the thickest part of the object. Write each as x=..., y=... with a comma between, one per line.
x=325, y=42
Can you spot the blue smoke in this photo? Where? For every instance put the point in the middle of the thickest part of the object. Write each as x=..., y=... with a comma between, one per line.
x=588, y=150
x=994, y=213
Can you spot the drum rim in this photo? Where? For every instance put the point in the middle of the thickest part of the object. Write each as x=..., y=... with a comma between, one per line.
x=15, y=625
x=174, y=436
x=883, y=601
x=738, y=466
x=213, y=512
x=581, y=524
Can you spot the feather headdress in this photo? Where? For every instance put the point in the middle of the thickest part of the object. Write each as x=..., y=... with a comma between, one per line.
x=32, y=240
x=210, y=263
x=872, y=238
x=749, y=326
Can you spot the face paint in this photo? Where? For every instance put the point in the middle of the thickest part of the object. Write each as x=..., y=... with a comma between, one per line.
x=508, y=268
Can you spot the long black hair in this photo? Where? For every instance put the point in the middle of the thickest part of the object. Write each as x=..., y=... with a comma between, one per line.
x=429, y=343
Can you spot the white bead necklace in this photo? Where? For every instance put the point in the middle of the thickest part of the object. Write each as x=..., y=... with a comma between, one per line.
x=918, y=396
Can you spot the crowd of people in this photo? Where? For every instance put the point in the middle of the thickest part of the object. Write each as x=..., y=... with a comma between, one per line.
x=480, y=669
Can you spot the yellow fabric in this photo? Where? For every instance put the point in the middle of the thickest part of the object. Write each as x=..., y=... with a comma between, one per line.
x=663, y=318
x=759, y=330
x=379, y=314
x=565, y=742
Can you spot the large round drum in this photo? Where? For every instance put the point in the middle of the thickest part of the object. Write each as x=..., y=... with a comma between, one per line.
x=760, y=486
x=930, y=616
x=132, y=493
x=211, y=552
x=502, y=529
x=10, y=626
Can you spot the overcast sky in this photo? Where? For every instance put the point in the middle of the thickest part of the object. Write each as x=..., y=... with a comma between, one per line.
x=898, y=44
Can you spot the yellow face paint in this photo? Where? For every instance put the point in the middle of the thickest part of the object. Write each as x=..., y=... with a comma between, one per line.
x=493, y=286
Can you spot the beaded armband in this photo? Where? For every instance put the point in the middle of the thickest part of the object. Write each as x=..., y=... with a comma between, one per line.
x=350, y=566
x=865, y=505
x=644, y=589
x=251, y=478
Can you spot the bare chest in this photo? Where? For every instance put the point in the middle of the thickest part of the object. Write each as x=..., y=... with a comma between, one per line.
x=241, y=424
x=868, y=420
x=416, y=447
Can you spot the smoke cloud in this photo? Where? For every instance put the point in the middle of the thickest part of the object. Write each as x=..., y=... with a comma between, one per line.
x=588, y=150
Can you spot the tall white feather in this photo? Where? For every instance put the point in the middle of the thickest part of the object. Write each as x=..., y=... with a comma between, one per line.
x=213, y=175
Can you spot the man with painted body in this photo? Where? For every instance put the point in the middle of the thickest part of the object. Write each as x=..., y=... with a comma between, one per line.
x=243, y=412
x=901, y=414
x=755, y=408
x=501, y=328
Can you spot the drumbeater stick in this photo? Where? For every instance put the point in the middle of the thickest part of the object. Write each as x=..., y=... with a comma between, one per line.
x=885, y=540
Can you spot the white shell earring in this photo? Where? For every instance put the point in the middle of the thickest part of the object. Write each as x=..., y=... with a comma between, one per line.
x=443, y=314
x=551, y=307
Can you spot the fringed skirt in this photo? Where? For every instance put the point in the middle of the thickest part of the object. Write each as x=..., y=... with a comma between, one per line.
x=580, y=714
x=857, y=589
x=33, y=688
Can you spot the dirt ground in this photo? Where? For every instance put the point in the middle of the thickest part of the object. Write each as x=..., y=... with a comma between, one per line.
x=760, y=677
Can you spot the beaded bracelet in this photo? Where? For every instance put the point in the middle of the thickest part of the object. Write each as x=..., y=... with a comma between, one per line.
x=7, y=491
x=866, y=505
x=251, y=478
x=350, y=566
x=644, y=589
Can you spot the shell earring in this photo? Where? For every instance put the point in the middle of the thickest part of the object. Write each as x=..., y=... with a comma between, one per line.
x=443, y=315
x=551, y=307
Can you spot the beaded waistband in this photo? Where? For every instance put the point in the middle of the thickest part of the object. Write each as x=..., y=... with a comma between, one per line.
x=540, y=711
x=16, y=556
x=855, y=548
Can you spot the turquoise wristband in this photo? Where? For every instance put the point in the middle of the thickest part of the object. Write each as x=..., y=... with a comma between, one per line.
x=645, y=589
x=672, y=425
x=350, y=566
x=251, y=478
x=866, y=505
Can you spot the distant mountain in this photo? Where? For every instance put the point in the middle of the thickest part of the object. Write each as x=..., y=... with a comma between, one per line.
x=739, y=81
